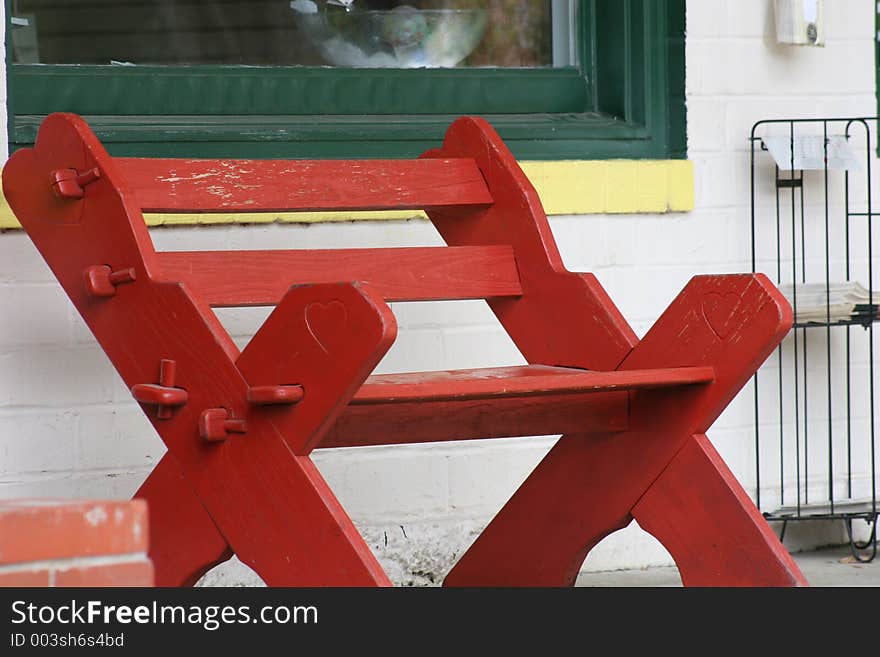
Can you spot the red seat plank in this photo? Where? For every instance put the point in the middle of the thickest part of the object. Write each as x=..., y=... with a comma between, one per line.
x=260, y=278
x=521, y=381
x=436, y=421
x=168, y=185
x=530, y=400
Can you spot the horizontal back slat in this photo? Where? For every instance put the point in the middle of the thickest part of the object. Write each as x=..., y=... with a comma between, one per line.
x=261, y=278
x=168, y=185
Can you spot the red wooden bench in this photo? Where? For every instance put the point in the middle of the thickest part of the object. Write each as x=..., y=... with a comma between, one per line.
x=239, y=427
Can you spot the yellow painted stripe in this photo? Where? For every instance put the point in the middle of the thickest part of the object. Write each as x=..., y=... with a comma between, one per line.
x=565, y=187
x=613, y=186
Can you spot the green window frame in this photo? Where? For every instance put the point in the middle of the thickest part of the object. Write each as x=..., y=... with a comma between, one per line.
x=624, y=100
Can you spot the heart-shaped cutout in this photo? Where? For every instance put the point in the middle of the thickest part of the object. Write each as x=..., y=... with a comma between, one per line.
x=326, y=323
x=719, y=310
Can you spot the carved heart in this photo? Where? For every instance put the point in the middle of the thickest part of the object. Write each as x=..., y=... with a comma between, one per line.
x=326, y=322
x=718, y=312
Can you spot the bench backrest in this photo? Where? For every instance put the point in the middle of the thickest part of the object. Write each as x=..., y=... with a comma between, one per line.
x=83, y=209
x=242, y=278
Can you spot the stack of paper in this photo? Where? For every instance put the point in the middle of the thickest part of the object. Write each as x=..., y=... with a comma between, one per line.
x=838, y=303
x=812, y=152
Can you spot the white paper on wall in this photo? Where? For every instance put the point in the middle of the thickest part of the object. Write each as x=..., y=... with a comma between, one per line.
x=810, y=152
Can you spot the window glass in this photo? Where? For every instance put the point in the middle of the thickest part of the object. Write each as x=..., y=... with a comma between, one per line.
x=340, y=33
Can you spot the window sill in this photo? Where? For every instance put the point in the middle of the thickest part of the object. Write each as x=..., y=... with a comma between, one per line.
x=564, y=136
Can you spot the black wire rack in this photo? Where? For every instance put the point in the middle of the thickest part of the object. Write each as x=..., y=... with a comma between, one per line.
x=814, y=402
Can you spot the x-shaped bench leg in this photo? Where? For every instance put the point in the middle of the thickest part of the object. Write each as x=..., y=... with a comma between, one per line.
x=591, y=485
x=661, y=471
x=704, y=518
x=184, y=541
x=259, y=495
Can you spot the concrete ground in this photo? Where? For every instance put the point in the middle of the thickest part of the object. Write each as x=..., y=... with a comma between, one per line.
x=830, y=567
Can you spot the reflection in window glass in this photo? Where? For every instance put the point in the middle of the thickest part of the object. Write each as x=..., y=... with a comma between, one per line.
x=351, y=33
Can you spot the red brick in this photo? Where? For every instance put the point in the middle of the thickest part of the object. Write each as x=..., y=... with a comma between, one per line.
x=37, y=530
x=24, y=578
x=129, y=573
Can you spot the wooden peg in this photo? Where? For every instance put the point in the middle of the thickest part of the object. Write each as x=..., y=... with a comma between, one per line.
x=69, y=183
x=273, y=395
x=101, y=281
x=164, y=395
x=215, y=425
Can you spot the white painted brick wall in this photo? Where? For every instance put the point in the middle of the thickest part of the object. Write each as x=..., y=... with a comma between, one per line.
x=68, y=427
